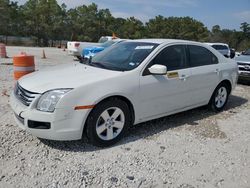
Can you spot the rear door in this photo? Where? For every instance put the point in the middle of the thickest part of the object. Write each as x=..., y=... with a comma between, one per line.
x=205, y=73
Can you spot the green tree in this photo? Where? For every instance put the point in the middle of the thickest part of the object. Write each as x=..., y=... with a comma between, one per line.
x=10, y=18
x=216, y=29
x=176, y=28
x=45, y=21
x=245, y=27
x=132, y=28
x=156, y=28
x=43, y=18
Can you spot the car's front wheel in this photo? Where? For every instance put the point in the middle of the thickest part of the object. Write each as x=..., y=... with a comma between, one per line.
x=108, y=122
x=219, y=98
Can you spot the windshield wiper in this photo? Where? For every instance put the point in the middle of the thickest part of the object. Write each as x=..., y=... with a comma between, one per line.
x=105, y=66
x=98, y=64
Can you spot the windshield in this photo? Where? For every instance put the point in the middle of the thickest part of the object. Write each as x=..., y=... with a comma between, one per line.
x=123, y=56
x=220, y=47
x=107, y=44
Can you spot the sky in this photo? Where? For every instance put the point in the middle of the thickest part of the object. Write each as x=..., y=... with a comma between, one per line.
x=229, y=14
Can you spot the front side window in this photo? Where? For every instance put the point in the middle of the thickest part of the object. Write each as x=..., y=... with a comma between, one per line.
x=173, y=57
x=200, y=56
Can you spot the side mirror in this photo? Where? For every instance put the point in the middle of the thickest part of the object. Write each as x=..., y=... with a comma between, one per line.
x=158, y=69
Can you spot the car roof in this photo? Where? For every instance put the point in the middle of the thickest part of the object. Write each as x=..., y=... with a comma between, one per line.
x=216, y=43
x=165, y=41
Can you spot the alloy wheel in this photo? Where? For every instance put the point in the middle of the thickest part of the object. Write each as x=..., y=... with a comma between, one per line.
x=110, y=123
x=221, y=97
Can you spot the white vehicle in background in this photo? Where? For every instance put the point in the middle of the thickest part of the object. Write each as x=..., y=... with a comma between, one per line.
x=106, y=38
x=126, y=84
x=222, y=48
x=243, y=62
x=237, y=54
x=75, y=48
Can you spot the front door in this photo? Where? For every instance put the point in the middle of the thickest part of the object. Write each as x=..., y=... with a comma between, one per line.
x=161, y=94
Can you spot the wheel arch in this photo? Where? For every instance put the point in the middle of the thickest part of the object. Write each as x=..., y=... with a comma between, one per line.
x=227, y=83
x=120, y=97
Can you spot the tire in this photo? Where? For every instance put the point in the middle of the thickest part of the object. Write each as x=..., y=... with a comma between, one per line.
x=219, y=98
x=108, y=122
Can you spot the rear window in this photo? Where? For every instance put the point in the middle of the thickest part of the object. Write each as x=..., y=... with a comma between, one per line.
x=220, y=47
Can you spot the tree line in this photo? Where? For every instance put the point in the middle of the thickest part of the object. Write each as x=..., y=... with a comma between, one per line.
x=46, y=20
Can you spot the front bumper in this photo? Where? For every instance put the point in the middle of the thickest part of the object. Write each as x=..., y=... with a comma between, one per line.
x=65, y=123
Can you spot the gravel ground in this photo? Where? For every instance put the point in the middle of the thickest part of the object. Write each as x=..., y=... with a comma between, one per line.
x=197, y=148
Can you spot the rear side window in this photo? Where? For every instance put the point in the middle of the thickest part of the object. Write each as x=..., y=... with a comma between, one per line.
x=200, y=56
x=173, y=57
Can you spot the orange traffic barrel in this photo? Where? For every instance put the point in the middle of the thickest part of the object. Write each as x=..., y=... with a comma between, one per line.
x=3, y=53
x=23, y=64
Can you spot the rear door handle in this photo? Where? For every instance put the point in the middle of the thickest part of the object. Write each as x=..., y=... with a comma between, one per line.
x=217, y=71
x=183, y=77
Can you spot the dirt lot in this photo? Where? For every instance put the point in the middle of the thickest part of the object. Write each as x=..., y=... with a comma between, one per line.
x=197, y=148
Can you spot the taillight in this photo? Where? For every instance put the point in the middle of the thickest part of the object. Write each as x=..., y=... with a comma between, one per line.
x=77, y=45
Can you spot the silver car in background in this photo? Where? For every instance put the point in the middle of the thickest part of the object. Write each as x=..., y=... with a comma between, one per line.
x=222, y=48
x=243, y=62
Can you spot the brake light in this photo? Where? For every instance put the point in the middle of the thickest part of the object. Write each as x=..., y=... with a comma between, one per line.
x=77, y=45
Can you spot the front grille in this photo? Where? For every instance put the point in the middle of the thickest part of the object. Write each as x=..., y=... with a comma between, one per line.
x=244, y=69
x=25, y=96
x=244, y=66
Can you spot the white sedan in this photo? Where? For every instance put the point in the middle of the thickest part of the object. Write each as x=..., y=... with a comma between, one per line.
x=129, y=83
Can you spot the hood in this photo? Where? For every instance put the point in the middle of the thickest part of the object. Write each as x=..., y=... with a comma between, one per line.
x=243, y=58
x=64, y=76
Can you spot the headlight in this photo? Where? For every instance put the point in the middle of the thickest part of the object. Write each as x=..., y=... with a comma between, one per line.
x=48, y=100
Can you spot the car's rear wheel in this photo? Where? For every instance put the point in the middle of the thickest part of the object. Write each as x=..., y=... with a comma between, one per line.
x=108, y=122
x=219, y=98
